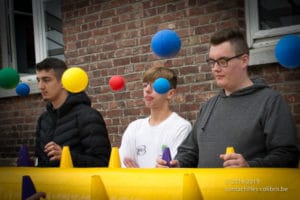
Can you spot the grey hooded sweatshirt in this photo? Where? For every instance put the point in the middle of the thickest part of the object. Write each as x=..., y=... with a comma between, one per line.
x=255, y=120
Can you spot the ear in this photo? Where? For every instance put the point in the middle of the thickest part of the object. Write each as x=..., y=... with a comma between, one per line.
x=171, y=93
x=61, y=85
x=245, y=60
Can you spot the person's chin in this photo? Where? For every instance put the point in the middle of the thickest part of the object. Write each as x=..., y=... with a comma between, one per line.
x=220, y=83
x=148, y=105
x=45, y=98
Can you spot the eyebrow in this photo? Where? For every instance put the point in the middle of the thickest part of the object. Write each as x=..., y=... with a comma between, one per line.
x=43, y=77
x=224, y=57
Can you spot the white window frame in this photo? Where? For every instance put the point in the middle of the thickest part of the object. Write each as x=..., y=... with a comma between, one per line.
x=39, y=39
x=39, y=30
x=263, y=42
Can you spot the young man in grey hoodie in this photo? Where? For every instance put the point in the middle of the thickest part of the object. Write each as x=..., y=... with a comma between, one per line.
x=246, y=114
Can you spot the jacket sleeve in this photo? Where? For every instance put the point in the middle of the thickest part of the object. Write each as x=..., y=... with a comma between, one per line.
x=188, y=152
x=280, y=132
x=38, y=147
x=96, y=147
x=43, y=136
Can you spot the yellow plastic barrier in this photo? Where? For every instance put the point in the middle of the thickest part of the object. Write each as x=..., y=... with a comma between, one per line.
x=149, y=184
x=98, y=190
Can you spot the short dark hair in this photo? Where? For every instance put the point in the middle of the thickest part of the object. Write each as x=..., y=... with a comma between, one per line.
x=56, y=64
x=161, y=72
x=233, y=35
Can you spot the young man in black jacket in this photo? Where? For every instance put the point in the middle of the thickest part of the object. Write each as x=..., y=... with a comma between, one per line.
x=68, y=121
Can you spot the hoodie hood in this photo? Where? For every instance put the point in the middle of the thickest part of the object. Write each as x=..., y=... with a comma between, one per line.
x=72, y=100
x=258, y=83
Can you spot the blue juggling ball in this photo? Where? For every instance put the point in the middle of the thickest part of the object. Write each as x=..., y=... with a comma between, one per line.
x=161, y=85
x=166, y=43
x=287, y=51
x=22, y=89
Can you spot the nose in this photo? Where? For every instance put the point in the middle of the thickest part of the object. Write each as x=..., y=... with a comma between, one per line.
x=40, y=85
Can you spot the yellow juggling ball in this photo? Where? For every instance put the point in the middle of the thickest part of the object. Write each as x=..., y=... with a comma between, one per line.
x=74, y=79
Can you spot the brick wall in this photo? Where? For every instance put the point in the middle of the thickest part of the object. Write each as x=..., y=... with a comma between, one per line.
x=113, y=37
x=18, y=116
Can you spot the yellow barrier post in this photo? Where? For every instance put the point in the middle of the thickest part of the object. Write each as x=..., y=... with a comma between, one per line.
x=190, y=189
x=114, y=161
x=98, y=190
x=66, y=159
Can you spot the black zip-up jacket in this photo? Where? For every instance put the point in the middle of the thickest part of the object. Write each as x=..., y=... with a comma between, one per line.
x=77, y=125
x=255, y=120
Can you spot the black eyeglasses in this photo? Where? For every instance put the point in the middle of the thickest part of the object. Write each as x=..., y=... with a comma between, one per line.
x=222, y=62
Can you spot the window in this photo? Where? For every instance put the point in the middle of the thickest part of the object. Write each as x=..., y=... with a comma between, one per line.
x=31, y=30
x=266, y=22
x=54, y=38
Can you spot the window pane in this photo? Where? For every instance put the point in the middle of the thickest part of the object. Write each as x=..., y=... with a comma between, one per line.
x=23, y=6
x=278, y=13
x=24, y=38
x=54, y=28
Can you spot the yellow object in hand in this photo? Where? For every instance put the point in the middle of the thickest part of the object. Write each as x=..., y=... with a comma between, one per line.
x=229, y=150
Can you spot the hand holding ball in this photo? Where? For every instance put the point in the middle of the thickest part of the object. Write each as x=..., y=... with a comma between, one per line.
x=75, y=79
x=116, y=82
